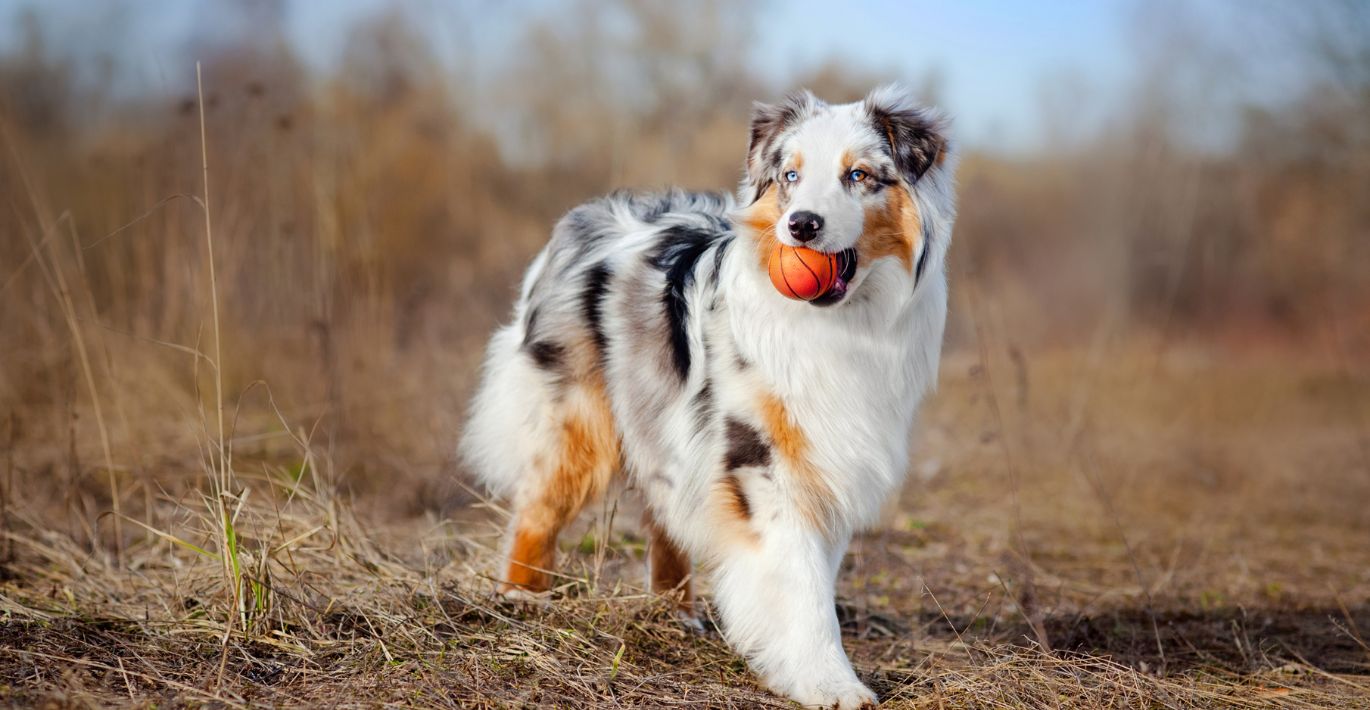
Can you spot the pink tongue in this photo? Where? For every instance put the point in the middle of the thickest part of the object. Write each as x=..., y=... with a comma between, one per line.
x=845, y=260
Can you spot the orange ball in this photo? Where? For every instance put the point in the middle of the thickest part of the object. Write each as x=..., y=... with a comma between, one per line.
x=802, y=274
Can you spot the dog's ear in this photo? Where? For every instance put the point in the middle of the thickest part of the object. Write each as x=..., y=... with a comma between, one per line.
x=769, y=123
x=914, y=136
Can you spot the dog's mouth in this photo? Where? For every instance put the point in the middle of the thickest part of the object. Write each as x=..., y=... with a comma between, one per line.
x=846, y=271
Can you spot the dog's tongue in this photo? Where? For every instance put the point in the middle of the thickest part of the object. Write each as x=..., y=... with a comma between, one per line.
x=838, y=290
x=846, y=271
x=846, y=263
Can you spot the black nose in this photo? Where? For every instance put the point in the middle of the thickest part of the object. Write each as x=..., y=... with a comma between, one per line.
x=804, y=226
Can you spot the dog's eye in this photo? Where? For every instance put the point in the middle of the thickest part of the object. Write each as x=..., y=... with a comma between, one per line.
x=792, y=176
x=857, y=175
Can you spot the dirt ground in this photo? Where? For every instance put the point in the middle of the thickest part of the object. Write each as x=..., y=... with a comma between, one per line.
x=1172, y=528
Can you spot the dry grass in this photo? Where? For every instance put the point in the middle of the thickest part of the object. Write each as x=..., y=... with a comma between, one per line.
x=226, y=425
x=1183, y=571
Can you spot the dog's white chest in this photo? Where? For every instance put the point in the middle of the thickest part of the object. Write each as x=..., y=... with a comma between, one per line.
x=852, y=383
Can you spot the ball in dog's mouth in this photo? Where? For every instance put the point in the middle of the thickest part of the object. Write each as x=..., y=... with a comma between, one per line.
x=846, y=271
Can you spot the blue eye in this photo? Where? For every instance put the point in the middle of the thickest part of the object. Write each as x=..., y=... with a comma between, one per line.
x=857, y=175
x=792, y=176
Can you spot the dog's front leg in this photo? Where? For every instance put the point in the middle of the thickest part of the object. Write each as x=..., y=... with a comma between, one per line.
x=776, y=600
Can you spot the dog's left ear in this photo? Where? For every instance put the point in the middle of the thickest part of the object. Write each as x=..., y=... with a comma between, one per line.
x=915, y=136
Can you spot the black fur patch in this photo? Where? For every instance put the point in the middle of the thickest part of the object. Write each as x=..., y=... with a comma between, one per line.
x=923, y=258
x=745, y=447
x=592, y=303
x=546, y=354
x=913, y=138
x=719, y=253
x=679, y=251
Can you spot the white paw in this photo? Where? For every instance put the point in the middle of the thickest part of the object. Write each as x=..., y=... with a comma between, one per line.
x=843, y=695
x=857, y=696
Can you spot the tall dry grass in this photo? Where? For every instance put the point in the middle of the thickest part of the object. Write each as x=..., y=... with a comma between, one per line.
x=371, y=225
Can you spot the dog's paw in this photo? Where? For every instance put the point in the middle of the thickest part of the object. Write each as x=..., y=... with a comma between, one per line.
x=691, y=622
x=857, y=696
x=523, y=598
x=843, y=695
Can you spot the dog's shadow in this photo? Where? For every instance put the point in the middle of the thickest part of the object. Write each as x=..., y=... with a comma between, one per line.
x=1235, y=639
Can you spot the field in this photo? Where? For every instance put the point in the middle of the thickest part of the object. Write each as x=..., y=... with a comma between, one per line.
x=1160, y=527
x=241, y=316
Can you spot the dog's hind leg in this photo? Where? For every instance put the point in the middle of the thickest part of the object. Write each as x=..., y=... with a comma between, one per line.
x=668, y=570
x=545, y=441
x=571, y=468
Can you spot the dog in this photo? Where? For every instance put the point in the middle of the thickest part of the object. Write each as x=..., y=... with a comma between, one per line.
x=649, y=347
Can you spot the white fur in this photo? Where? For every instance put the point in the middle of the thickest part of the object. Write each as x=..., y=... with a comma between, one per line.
x=823, y=140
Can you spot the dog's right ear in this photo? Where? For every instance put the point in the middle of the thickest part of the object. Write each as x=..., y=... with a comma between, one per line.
x=769, y=123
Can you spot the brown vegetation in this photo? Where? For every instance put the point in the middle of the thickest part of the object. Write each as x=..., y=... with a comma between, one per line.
x=1144, y=481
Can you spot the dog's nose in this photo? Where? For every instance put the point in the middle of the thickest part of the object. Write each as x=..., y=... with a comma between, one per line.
x=804, y=226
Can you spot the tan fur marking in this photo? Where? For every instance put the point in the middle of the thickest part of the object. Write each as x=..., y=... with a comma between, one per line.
x=588, y=458
x=731, y=518
x=737, y=504
x=669, y=565
x=530, y=558
x=891, y=229
x=590, y=450
x=815, y=497
x=760, y=218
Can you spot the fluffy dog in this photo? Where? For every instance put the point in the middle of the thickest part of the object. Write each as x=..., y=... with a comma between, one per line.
x=649, y=346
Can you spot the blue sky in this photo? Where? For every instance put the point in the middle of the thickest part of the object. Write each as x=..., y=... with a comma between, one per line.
x=995, y=58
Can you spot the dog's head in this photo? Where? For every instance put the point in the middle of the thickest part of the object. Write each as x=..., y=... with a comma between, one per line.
x=842, y=179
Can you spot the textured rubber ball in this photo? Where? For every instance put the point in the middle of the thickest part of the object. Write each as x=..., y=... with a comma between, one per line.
x=802, y=274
